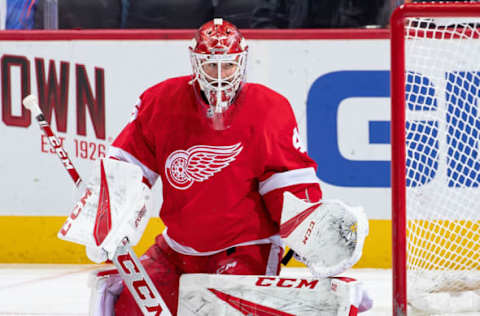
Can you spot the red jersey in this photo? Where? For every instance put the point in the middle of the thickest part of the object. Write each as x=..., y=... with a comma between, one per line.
x=215, y=181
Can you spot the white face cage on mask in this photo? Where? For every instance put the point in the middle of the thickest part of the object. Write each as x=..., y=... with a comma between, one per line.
x=221, y=85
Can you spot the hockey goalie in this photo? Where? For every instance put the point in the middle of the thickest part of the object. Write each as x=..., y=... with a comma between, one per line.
x=238, y=185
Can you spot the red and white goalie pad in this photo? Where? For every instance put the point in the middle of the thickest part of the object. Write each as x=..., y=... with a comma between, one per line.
x=115, y=205
x=328, y=236
x=232, y=295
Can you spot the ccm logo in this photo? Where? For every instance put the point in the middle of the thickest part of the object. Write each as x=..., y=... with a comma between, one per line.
x=285, y=282
x=76, y=211
x=308, y=232
x=57, y=145
x=140, y=283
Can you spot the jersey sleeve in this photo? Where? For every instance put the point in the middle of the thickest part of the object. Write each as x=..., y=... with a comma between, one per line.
x=287, y=165
x=135, y=143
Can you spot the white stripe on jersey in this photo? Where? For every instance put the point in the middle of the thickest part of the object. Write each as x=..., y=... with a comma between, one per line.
x=185, y=250
x=127, y=157
x=287, y=178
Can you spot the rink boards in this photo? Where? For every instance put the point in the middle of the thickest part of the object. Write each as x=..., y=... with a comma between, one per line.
x=337, y=82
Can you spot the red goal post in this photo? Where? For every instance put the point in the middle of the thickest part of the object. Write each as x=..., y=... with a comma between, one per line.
x=435, y=135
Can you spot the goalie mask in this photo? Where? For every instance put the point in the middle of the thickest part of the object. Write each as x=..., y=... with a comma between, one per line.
x=218, y=55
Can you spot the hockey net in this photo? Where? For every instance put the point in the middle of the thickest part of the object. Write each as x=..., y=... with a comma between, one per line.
x=436, y=158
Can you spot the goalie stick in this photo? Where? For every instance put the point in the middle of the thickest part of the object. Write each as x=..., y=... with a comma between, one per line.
x=125, y=260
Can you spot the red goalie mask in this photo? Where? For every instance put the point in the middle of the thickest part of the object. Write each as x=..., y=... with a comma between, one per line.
x=218, y=55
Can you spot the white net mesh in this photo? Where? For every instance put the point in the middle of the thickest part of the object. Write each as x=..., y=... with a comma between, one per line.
x=442, y=59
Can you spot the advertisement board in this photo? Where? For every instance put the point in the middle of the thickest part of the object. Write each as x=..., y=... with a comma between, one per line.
x=89, y=81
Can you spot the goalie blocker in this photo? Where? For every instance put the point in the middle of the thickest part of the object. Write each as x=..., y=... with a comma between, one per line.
x=113, y=212
x=114, y=206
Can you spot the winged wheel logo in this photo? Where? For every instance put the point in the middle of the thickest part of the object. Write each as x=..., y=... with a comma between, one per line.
x=198, y=163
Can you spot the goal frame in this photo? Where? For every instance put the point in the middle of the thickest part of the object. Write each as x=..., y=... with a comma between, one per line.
x=398, y=150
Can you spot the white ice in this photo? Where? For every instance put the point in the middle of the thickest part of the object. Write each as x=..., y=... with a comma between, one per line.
x=54, y=290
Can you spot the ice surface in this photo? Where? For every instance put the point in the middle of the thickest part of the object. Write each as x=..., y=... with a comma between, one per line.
x=53, y=290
